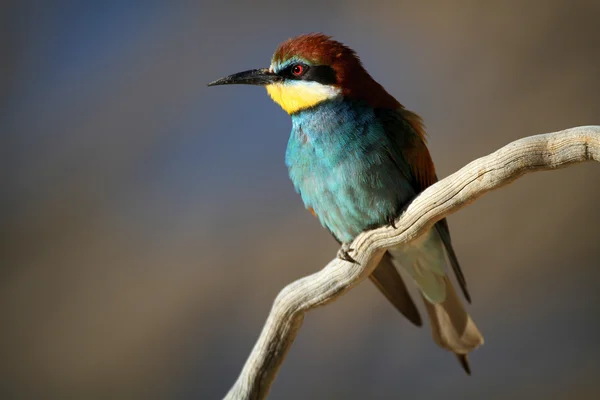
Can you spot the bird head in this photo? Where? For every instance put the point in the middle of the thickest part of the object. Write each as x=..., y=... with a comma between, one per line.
x=310, y=69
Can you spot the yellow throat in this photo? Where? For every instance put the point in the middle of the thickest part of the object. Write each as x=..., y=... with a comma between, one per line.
x=298, y=95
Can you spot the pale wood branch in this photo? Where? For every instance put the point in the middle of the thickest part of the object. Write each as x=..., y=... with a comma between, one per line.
x=534, y=153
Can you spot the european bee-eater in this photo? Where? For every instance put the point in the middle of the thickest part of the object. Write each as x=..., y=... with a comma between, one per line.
x=357, y=157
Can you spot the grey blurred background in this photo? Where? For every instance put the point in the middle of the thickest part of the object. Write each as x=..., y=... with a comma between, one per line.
x=147, y=221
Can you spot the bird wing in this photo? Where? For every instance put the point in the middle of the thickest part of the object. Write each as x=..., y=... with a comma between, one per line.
x=390, y=283
x=444, y=231
x=421, y=173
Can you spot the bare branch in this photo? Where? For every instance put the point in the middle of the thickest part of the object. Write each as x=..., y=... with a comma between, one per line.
x=535, y=153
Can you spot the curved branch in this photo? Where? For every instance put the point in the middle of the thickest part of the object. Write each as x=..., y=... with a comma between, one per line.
x=534, y=153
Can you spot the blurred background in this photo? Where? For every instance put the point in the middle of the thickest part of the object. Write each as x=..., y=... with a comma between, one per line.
x=147, y=221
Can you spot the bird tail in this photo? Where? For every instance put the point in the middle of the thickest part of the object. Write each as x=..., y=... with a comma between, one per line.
x=452, y=328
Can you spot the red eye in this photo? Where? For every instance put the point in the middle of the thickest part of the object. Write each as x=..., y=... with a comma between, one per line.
x=298, y=69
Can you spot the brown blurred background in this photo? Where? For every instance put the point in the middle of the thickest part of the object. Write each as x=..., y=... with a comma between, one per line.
x=147, y=221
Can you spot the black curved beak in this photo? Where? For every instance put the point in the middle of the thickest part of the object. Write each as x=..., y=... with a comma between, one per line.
x=261, y=77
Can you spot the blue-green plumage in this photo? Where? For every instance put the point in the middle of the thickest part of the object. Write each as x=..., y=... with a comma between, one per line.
x=346, y=159
x=347, y=167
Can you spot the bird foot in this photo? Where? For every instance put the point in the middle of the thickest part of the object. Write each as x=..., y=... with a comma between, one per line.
x=344, y=253
x=391, y=222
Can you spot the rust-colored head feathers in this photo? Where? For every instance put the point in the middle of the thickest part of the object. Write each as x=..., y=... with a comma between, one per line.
x=318, y=49
x=351, y=77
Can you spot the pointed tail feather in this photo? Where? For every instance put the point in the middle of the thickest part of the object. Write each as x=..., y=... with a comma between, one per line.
x=390, y=283
x=463, y=359
x=452, y=328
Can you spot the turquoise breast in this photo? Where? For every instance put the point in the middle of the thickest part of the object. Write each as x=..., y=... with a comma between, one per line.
x=347, y=166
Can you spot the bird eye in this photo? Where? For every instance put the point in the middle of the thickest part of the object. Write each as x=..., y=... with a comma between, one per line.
x=298, y=70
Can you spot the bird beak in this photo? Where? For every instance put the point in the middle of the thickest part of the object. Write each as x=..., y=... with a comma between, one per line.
x=261, y=77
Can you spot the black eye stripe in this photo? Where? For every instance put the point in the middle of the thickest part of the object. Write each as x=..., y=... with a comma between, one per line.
x=322, y=74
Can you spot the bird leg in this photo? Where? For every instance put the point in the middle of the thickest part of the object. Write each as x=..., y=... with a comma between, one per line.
x=344, y=253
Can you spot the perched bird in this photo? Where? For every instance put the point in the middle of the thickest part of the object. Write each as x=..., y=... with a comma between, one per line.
x=357, y=156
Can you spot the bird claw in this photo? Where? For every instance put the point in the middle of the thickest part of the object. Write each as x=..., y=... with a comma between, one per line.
x=391, y=222
x=344, y=253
